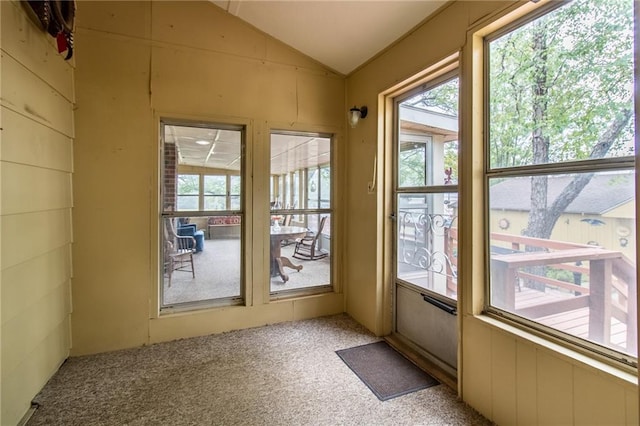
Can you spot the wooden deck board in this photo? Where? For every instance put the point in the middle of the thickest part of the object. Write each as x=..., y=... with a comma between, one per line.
x=528, y=297
x=574, y=322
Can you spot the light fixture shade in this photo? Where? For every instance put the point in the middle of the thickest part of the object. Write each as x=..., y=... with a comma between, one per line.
x=354, y=116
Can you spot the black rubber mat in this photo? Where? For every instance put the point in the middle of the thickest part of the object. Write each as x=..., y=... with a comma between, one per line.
x=385, y=371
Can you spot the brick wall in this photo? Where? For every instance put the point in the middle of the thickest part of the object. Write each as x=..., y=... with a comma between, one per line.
x=170, y=176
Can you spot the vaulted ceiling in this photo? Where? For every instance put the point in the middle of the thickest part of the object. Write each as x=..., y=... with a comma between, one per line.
x=342, y=35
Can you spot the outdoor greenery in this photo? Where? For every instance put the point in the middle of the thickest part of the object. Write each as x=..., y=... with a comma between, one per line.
x=412, y=171
x=561, y=89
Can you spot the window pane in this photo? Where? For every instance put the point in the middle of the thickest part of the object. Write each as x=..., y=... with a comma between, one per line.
x=561, y=87
x=202, y=255
x=428, y=142
x=563, y=253
x=325, y=187
x=215, y=202
x=312, y=188
x=188, y=184
x=300, y=248
x=213, y=245
x=427, y=241
x=215, y=185
x=187, y=202
x=235, y=185
x=296, y=190
x=300, y=252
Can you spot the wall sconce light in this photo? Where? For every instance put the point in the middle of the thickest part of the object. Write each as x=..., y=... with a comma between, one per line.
x=355, y=114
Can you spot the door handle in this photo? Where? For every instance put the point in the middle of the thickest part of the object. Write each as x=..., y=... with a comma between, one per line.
x=438, y=304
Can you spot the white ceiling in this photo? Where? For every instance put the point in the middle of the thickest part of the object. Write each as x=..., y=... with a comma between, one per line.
x=208, y=146
x=339, y=34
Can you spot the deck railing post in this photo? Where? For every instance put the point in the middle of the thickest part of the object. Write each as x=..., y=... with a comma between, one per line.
x=632, y=314
x=503, y=284
x=600, y=272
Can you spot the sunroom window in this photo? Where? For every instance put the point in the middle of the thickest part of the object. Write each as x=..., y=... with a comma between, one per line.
x=560, y=175
x=301, y=213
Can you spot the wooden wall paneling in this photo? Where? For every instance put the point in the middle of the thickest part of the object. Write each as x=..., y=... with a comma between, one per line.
x=26, y=94
x=597, y=400
x=476, y=359
x=126, y=18
x=29, y=189
x=23, y=333
x=25, y=236
x=504, y=380
x=555, y=390
x=33, y=371
x=28, y=142
x=526, y=382
x=37, y=52
x=26, y=282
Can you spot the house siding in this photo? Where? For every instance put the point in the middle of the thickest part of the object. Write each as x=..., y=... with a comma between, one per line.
x=36, y=165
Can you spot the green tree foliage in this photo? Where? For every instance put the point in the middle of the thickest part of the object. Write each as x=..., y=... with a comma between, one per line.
x=561, y=89
x=578, y=62
x=188, y=184
x=442, y=99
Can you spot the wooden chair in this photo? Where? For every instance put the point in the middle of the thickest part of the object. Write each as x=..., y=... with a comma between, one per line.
x=306, y=247
x=287, y=222
x=178, y=251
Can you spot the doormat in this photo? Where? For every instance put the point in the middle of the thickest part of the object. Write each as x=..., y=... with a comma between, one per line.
x=385, y=371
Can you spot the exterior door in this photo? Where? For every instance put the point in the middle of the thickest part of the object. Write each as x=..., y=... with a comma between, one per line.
x=426, y=212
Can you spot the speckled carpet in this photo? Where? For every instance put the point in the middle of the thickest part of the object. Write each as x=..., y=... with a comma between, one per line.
x=282, y=374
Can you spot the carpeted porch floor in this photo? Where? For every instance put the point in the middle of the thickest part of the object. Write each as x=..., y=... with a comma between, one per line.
x=283, y=374
x=217, y=270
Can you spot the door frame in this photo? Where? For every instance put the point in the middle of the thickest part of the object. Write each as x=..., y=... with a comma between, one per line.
x=386, y=176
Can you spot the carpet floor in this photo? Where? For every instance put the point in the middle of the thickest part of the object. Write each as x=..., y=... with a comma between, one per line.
x=217, y=274
x=282, y=374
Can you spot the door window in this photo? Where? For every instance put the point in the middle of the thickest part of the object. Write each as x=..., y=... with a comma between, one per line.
x=427, y=189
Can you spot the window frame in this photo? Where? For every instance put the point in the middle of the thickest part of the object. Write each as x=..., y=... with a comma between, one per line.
x=285, y=191
x=622, y=163
x=165, y=213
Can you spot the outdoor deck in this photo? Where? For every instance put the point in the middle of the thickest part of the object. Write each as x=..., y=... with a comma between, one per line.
x=583, y=290
x=574, y=322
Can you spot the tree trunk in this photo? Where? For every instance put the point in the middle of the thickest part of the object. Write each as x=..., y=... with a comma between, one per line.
x=573, y=189
x=540, y=146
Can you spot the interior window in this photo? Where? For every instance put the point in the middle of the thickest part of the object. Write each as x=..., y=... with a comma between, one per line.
x=202, y=215
x=301, y=210
x=561, y=177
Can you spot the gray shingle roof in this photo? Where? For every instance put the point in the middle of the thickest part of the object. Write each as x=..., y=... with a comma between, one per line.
x=603, y=193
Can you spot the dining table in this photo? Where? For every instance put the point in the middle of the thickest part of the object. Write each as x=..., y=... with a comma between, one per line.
x=279, y=262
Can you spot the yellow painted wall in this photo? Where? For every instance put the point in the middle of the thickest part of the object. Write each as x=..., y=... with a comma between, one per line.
x=35, y=209
x=509, y=376
x=137, y=62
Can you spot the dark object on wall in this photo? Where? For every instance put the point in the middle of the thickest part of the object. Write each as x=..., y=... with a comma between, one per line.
x=57, y=17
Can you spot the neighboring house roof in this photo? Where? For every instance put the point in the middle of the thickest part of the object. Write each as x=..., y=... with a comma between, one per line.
x=603, y=193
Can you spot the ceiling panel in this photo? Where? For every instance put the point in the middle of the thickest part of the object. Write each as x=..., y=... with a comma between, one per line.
x=221, y=148
x=342, y=35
